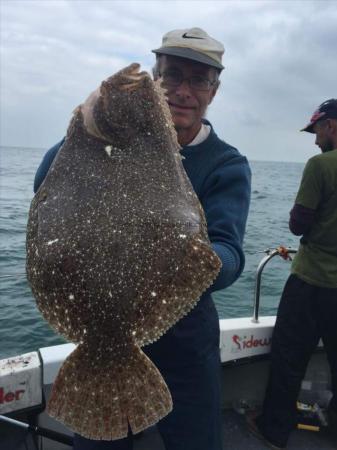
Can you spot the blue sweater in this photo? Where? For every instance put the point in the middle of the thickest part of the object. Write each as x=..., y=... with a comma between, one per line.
x=220, y=176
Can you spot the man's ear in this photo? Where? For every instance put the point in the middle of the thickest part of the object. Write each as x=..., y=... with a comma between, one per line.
x=214, y=91
x=332, y=124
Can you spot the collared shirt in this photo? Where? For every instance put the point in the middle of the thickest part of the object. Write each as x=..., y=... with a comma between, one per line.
x=202, y=135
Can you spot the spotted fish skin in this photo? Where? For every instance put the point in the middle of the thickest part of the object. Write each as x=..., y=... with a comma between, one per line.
x=117, y=253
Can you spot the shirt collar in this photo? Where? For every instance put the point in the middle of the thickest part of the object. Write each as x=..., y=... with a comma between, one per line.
x=202, y=135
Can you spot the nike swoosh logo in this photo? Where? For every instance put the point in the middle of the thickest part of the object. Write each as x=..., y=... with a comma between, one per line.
x=190, y=37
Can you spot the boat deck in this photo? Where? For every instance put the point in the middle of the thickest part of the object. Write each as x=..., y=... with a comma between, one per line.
x=237, y=437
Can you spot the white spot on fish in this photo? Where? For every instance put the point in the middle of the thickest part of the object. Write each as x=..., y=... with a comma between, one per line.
x=182, y=236
x=108, y=149
x=71, y=297
x=52, y=242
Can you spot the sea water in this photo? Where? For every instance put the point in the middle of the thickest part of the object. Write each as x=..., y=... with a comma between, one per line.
x=22, y=328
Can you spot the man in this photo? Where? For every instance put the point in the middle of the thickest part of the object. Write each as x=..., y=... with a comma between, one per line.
x=308, y=307
x=189, y=64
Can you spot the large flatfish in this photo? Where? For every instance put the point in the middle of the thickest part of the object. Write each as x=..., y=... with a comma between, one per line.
x=117, y=252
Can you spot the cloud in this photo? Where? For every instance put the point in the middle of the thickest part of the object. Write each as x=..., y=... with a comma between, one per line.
x=280, y=64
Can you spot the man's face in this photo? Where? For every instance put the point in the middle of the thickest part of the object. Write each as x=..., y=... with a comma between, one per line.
x=323, y=136
x=187, y=104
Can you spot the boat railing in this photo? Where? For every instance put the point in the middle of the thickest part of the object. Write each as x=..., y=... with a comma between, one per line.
x=281, y=251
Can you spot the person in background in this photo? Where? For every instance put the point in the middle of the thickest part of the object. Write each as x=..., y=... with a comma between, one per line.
x=308, y=307
x=189, y=64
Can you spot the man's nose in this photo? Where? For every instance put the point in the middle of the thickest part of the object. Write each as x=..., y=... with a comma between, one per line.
x=184, y=89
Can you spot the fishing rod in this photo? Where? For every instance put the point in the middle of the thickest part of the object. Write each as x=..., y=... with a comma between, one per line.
x=39, y=431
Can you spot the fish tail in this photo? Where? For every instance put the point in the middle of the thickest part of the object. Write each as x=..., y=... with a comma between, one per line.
x=100, y=398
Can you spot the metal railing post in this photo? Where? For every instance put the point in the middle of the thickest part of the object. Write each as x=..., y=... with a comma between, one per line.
x=260, y=267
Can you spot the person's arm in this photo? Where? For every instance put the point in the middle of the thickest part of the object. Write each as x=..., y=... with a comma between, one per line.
x=225, y=199
x=303, y=213
x=301, y=219
x=45, y=165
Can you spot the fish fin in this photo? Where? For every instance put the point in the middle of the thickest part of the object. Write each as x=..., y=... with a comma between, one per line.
x=99, y=397
x=197, y=270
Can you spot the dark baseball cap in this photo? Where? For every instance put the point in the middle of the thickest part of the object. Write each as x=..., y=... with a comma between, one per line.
x=327, y=110
x=194, y=44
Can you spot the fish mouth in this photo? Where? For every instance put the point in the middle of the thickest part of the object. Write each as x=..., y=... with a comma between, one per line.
x=132, y=77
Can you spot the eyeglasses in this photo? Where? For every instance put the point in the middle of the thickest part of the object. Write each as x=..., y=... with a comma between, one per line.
x=196, y=82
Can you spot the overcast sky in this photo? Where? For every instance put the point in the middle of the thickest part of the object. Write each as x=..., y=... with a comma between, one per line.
x=280, y=59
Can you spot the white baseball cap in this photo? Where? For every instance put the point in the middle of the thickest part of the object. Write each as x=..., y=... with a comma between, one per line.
x=194, y=44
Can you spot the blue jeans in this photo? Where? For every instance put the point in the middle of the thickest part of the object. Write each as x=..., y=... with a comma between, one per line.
x=194, y=423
